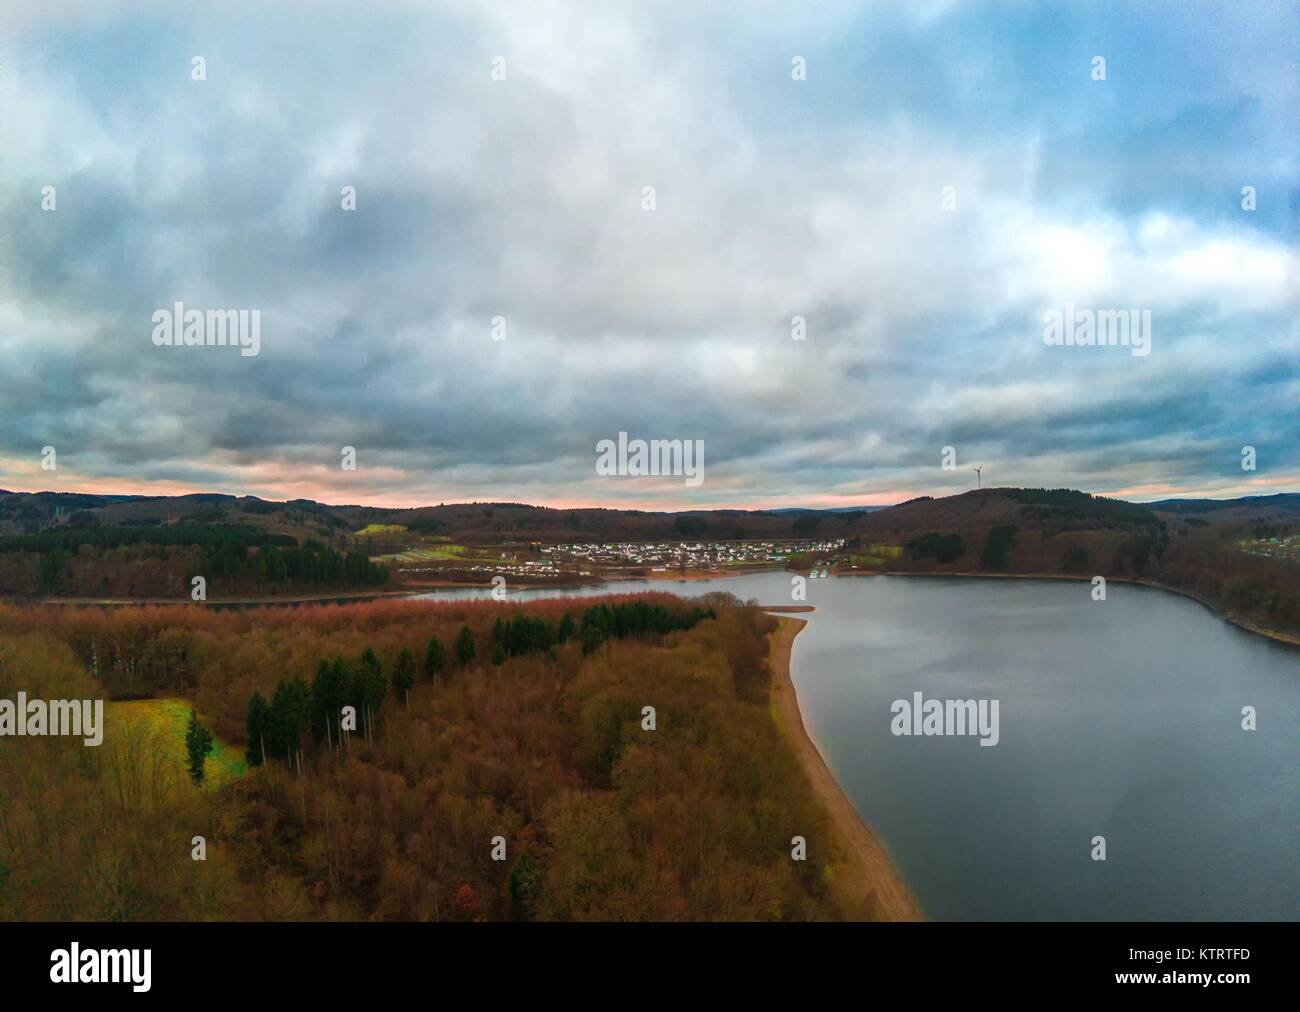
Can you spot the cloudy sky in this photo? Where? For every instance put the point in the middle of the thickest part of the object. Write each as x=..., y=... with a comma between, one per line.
x=524, y=198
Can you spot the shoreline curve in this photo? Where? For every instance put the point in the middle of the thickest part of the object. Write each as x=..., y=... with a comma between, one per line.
x=1276, y=635
x=867, y=884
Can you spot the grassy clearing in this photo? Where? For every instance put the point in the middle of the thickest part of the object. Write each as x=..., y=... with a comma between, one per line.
x=164, y=721
x=876, y=555
x=370, y=529
x=432, y=553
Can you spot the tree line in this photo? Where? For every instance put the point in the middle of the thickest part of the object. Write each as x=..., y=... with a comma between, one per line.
x=95, y=561
x=343, y=690
x=1207, y=561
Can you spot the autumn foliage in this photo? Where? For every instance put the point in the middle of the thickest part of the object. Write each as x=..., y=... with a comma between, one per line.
x=602, y=818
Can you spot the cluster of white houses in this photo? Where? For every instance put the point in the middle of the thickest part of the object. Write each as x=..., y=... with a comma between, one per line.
x=662, y=555
x=591, y=560
x=1274, y=548
x=504, y=567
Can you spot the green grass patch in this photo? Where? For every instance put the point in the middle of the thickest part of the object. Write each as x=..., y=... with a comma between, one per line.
x=428, y=553
x=371, y=529
x=876, y=555
x=775, y=711
x=168, y=718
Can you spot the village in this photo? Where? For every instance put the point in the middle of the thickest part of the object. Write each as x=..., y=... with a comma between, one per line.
x=590, y=562
x=1286, y=547
x=661, y=556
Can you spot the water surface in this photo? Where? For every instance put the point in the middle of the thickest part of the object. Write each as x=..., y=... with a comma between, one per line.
x=1119, y=719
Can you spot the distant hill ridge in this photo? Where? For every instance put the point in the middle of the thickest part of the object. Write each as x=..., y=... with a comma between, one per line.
x=1237, y=555
x=1287, y=501
x=1056, y=509
x=792, y=510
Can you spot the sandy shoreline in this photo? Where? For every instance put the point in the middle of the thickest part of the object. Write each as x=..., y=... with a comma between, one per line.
x=866, y=882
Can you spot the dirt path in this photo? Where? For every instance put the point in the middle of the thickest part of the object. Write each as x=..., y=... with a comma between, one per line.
x=867, y=885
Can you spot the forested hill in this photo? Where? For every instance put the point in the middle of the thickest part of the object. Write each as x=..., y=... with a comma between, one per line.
x=1251, y=507
x=87, y=559
x=556, y=761
x=304, y=519
x=1239, y=555
x=24, y=513
x=1242, y=557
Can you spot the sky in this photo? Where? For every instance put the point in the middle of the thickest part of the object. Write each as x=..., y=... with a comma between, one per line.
x=920, y=183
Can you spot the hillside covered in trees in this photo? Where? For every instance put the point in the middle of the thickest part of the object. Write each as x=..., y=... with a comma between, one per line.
x=504, y=766
x=472, y=523
x=153, y=561
x=1064, y=532
x=105, y=547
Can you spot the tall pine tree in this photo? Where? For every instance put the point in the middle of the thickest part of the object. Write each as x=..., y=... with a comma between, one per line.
x=255, y=727
x=435, y=659
x=404, y=675
x=465, y=648
x=198, y=743
x=370, y=688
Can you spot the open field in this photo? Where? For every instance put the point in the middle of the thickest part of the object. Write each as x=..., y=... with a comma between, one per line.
x=875, y=556
x=164, y=721
x=432, y=553
x=381, y=529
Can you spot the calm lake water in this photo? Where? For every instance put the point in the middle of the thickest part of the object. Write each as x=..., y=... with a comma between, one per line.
x=1119, y=719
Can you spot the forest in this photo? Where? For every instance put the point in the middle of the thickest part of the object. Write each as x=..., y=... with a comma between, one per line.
x=1203, y=560
x=89, y=560
x=1208, y=563
x=504, y=766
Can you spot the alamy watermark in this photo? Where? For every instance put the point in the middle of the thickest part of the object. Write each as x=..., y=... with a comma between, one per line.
x=76, y=718
x=921, y=716
x=75, y=965
x=221, y=328
x=684, y=457
x=1102, y=328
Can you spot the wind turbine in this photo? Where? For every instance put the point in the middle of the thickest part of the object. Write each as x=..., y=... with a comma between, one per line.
x=977, y=470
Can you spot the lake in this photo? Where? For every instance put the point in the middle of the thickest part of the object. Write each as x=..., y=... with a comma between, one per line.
x=1119, y=719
